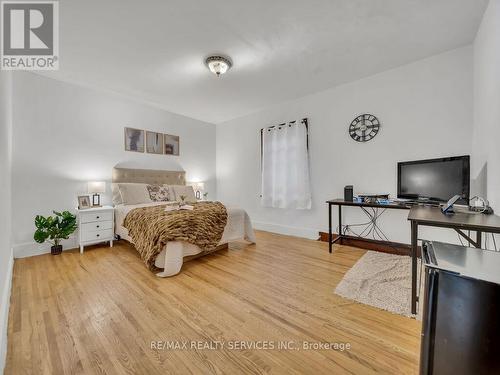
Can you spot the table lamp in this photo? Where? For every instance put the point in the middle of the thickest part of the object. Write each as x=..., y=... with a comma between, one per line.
x=198, y=188
x=96, y=188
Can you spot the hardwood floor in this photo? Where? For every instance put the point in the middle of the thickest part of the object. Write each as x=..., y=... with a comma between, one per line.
x=98, y=313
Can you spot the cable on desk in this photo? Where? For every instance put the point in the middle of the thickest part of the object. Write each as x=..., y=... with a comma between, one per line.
x=346, y=228
x=374, y=216
x=363, y=233
x=370, y=228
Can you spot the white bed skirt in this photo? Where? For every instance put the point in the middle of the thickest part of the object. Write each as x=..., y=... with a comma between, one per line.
x=171, y=258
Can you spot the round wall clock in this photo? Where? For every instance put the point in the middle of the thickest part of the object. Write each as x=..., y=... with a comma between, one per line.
x=364, y=128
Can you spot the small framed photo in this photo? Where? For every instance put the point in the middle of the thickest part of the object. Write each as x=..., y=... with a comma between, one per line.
x=83, y=202
x=171, y=144
x=154, y=143
x=134, y=140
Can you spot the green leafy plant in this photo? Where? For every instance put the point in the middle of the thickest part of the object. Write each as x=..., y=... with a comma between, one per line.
x=53, y=229
x=205, y=195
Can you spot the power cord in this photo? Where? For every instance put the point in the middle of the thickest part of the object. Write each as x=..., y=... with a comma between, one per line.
x=371, y=228
x=484, y=206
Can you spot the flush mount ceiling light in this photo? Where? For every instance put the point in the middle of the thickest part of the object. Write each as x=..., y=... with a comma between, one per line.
x=218, y=64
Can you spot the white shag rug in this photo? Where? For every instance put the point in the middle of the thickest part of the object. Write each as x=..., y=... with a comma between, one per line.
x=381, y=280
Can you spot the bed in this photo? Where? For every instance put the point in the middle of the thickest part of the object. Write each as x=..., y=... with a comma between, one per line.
x=173, y=255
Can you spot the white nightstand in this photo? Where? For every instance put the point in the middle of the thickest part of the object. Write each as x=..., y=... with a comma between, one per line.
x=96, y=225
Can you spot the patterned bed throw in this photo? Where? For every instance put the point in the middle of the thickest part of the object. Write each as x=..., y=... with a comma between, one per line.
x=152, y=227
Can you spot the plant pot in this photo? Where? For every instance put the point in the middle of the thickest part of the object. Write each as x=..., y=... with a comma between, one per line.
x=56, y=250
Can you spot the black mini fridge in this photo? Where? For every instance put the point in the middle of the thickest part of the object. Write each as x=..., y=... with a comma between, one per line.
x=461, y=318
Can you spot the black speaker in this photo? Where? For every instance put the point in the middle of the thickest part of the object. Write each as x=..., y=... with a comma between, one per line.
x=348, y=193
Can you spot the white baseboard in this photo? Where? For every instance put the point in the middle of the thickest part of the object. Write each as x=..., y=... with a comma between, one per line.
x=29, y=249
x=4, y=310
x=312, y=234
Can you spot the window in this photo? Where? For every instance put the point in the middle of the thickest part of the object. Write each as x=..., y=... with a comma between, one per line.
x=285, y=166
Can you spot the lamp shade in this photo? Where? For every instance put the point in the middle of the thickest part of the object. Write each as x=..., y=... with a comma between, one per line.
x=197, y=186
x=96, y=187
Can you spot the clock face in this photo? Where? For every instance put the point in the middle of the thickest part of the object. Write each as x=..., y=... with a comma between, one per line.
x=364, y=127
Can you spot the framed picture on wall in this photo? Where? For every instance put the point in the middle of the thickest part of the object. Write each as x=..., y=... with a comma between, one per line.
x=171, y=144
x=134, y=140
x=154, y=143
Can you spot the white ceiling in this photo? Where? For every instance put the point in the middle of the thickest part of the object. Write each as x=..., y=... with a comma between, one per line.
x=282, y=49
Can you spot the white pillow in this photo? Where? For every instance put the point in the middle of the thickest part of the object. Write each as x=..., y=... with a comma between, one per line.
x=115, y=190
x=117, y=197
x=134, y=193
x=187, y=191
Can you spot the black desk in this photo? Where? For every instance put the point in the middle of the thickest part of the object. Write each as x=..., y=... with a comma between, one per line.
x=427, y=216
x=460, y=221
x=342, y=202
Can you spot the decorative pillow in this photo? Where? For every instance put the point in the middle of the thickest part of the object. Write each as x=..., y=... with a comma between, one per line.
x=159, y=193
x=117, y=197
x=187, y=191
x=134, y=193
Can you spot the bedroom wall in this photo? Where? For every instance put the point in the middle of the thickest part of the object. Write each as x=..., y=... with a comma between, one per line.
x=486, y=166
x=425, y=109
x=6, y=260
x=65, y=135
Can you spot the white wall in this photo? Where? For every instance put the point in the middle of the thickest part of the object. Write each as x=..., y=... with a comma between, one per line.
x=6, y=260
x=425, y=109
x=486, y=148
x=65, y=135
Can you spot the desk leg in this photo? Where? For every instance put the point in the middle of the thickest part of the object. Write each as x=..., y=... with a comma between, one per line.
x=340, y=224
x=329, y=228
x=479, y=239
x=414, y=248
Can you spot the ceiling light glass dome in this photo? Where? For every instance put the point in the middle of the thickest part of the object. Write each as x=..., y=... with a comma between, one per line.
x=218, y=64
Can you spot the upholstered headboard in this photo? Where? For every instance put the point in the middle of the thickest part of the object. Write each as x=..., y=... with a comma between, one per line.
x=149, y=176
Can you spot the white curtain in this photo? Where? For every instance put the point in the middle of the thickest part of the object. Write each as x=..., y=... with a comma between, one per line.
x=285, y=167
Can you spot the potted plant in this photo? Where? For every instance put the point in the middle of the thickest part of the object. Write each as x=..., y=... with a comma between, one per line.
x=53, y=229
x=183, y=200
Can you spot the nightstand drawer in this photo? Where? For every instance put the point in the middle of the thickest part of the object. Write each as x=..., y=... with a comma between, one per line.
x=90, y=217
x=96, y=225
x=105, y=235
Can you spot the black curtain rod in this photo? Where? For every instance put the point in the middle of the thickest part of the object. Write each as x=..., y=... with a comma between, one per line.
x=304, y=121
